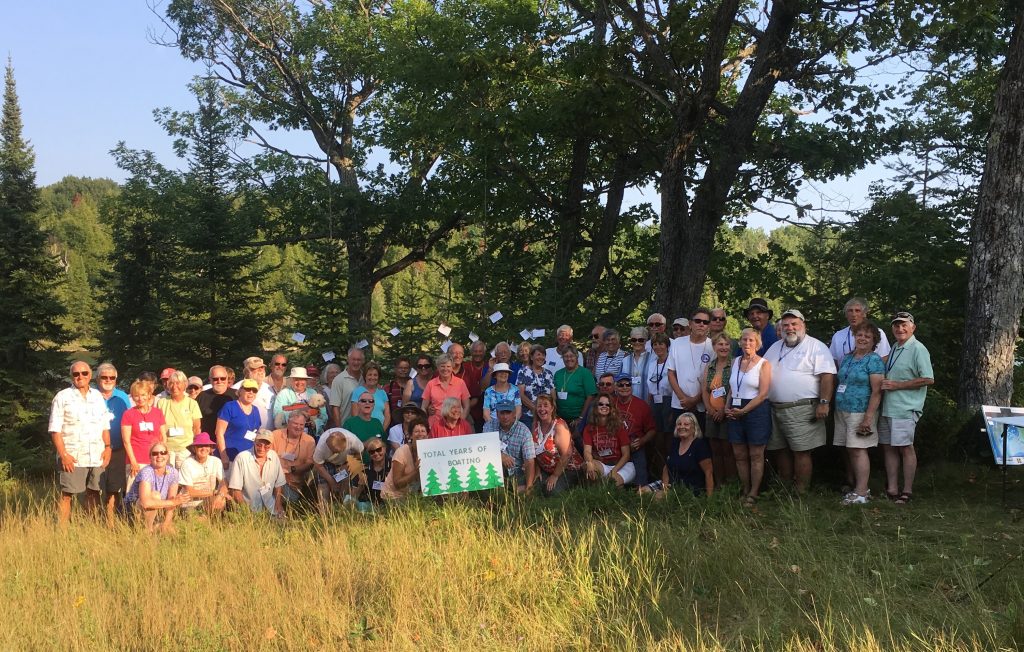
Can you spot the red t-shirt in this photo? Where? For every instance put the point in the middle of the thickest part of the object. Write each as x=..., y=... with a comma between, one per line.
x=472, y=377
x=438, y=428
x=637, y=418
x=605, y=446
x=145, y=429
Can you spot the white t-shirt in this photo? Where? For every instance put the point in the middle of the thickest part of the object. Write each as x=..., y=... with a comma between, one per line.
x=690, y=362
x=322, y=453
x=745, y=384
x=202, y=477
x=257, y=486
x=796, y=371
x=396, y=434
x=658, y=388
x=843, y=342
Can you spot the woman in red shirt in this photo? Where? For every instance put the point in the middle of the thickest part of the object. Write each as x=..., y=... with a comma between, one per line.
x=449, y=422
x=606, y=445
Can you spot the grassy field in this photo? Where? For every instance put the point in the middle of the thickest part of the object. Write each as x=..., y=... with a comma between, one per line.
x=595, y=570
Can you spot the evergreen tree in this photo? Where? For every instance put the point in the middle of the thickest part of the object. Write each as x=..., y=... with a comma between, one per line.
x=493, y=479
x=29, y=278
x=473, y=480
x=454, y=483
x=433, y=486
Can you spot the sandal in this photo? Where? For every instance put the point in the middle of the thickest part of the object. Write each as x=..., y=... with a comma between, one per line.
x=749, y=501
x=894, y=496
x=903, y=498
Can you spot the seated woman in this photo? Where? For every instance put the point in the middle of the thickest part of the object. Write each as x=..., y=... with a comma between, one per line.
x=329, y=462
x=371, y=387
x=559, y=463
x=413, y=392
x=297, y=396
x=202, y=476
x=155, y=490
x=449, y=421
x=404, y=477
x=367, y=487
x=688, y=463
x=606, y=445
x=398, y=432
x=502, y=390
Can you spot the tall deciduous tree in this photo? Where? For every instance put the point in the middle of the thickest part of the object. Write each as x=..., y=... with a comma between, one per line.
x=996, y=271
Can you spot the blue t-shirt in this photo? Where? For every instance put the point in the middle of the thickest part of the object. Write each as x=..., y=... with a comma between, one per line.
x=685, y=469
x=117, y=404
x=380, y=399
x=239, y=423
x=855, y=375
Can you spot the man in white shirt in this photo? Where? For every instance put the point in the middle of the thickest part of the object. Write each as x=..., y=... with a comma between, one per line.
x=803, y=376
x=856, y=311
x=563, y=337
x=688, y=360
x=80, y=430
x=256, y=477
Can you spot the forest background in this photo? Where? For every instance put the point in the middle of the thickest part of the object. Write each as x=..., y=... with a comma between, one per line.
x=479, y=156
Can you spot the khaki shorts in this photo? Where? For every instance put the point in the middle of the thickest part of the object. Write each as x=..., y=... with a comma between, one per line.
x=896, y=432
x=716, y=430
x=796, y=428
x=846, y=431
x=80, y=479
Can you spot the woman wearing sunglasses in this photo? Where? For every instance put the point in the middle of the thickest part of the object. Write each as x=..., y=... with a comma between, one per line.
x=155, y=490
x=606, y=445
x=376, y=473
x=424, y=372
x=238, y=422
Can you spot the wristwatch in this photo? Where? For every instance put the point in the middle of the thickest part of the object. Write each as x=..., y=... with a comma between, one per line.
x=822, y=401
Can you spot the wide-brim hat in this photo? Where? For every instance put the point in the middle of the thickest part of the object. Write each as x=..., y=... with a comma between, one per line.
x=202, y=439
x=299, y=373
x=501, y=366
x=758, y=303
x=412, y=407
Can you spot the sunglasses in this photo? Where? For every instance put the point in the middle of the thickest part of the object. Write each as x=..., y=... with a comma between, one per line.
x=718, y=319
x=423, y=366
x=279, y=364
x=108, y=377
x=155, y=453
x=374, y=451
x=79, y=374
x=607, y=405
x=624, y=383
x=366, y=401
x=595, y=337
x=261, y=442
x=653, y=324
x=700, y=321
x=218, y=379
x=637, y=340
x=604, y=384
x=249, y=389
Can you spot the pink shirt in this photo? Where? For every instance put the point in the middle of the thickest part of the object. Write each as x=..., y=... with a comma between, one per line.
x=145, y=431
x=435, y=393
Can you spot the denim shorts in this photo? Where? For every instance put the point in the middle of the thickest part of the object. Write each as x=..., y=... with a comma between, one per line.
x=754, y=429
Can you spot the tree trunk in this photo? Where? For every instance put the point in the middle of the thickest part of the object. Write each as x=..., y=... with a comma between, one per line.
x=995, y=291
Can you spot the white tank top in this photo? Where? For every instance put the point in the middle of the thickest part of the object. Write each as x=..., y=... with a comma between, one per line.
x=745, y=384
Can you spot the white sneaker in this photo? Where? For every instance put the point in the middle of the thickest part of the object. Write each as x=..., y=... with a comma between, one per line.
x=853, y=498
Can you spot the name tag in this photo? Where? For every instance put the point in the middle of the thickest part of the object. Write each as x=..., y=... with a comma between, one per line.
x=176, y=432
x=606, y=452
x=718, y=393
x=265, y=490
x=504, y=446
x=657, y=398
x=145, y=426
x=551, y=364
x=109, y=416
x=841, y=389
x=289, y=456
x=398, y=403
x=736, y=401
x=250, y=435
x=340, y=475
x=636, y=380
x=563, y=396
x=378, y=485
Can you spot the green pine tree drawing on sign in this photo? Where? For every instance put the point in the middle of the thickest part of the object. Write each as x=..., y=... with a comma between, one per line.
x=433, y=487
x=473, y=480
x=454, y=484
x=493, y=479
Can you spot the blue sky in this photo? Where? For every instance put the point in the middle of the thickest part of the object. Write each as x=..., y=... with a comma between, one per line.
x=89, y=75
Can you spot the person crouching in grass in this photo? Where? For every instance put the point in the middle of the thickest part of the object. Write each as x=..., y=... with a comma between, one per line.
x=155, y=490
x=688, y=463
x=606, y=445
x=202, y=476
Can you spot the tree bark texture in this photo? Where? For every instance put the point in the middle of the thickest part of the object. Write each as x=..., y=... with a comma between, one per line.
x=995, y=291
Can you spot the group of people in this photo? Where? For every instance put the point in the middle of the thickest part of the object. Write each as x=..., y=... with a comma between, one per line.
x=686, y=411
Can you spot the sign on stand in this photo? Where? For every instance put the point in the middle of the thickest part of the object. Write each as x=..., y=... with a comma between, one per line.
x=450, y=465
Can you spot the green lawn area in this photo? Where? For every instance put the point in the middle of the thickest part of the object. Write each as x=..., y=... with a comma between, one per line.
x=595, y=569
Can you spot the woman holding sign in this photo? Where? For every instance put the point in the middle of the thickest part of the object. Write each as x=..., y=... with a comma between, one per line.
x=558, y=460
x=606, y=445
x=405, y=470
x=238, y=422
x=749, y=413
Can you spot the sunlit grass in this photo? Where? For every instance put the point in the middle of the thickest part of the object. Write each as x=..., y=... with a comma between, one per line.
x=594, y=570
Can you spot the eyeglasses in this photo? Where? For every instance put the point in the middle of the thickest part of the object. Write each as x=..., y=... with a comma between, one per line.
x=108, y=377
x=194, y=388
x=700, y=321
x=607, y=405
x=248, y=389
x=594, y=336
x=280, y=364
x=624, y=383
x=653, y=324
x=604, y=384
x=637, y=340
x=218, y=379
x=718, y=319
x=155, y=453
x=423, y=366
x=261, y=442
x=365, y=400
x=79, y=374
x=374, y=451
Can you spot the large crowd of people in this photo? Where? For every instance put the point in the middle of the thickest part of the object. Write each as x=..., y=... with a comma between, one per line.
x=691, y=411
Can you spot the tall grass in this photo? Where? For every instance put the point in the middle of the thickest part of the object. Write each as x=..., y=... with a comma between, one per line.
x=595, y=570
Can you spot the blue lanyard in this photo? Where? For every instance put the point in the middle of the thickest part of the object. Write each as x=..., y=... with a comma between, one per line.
x=896, y=353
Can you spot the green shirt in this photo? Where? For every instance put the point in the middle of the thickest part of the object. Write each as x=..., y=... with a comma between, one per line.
x=906, y=362
x=364, y=429
x=575, y=386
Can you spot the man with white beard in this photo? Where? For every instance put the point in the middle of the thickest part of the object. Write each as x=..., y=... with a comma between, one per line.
x=803, y=377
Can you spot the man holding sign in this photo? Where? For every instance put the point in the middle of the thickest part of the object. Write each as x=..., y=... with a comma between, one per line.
x=517, y=451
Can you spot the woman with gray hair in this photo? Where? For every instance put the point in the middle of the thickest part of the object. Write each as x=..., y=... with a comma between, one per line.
x=182, y=416
x=450, y=421
x=636, y=363
x=445, y=385
x=534, y=381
